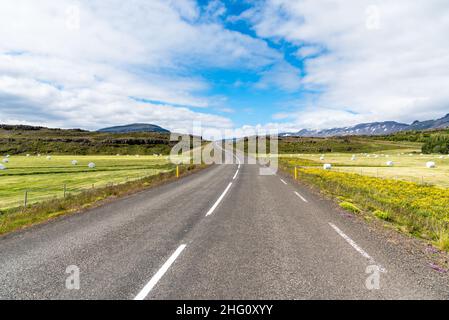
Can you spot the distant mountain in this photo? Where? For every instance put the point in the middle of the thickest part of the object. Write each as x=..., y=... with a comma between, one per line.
x=430, y=124
x=135, y=127
x=374, y=128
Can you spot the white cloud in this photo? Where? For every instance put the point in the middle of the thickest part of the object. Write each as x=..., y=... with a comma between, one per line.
x=77, y=63
x=389, y=61
x=308, y=51
x=281, y=75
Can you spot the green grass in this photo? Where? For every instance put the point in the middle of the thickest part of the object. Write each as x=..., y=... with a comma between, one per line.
x=349, y=207
x=44, y=179
x=382, y=215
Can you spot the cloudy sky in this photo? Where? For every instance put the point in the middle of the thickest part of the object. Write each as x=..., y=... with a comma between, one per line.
x=290, y=64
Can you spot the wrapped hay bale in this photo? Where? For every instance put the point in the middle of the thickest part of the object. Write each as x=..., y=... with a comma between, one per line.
x=430, y=164
x=74, y=162
x=390, y=163
x=6, y=160
x=2, y=167
x=327, y=166
x=91, y=165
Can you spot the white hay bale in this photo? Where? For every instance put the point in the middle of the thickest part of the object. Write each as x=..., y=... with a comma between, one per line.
x=118, y=154
x=322, y=158
x=74, y=162
x=327, y=166
x=430, y=164
x=7, y=156
x=38, y=154
x=441, y=157
x=6, y=160
x=2, y=167
x=48, y=157
x=390, y=163
x=28, y=154
x=91, y=165
x=353, y=158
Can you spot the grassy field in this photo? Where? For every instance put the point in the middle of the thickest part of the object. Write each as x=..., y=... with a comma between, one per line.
x=407, y=166
x=44, y=179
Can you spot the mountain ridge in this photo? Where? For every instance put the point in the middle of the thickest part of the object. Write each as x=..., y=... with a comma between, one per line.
x=373, y=128
x=134, y=127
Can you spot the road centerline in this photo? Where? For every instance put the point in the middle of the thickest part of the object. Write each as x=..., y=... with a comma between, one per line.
x=159, y=274
x=212, y=209
x=283, y=181
x=235, y=175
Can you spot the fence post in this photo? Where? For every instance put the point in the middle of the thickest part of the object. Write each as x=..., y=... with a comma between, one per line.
x=26, y=198
x=177, y=171
x=65, y=190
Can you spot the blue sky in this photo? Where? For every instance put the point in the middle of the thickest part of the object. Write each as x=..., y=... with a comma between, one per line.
x=285, y=64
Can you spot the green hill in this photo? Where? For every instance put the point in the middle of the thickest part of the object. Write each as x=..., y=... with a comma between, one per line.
x=18, y=139
x=352, y=144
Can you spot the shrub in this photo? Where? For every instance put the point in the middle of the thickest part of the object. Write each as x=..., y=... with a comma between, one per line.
x=349, y=206
x=382, y=215
x=443, y=240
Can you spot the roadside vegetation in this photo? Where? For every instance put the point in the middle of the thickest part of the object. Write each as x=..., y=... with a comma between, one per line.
x=417, y=209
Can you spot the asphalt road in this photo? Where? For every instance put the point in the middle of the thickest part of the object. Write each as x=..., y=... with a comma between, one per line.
x=224, y=233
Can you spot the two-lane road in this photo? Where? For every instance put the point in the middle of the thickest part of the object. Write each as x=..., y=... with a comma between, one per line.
x=223, y=233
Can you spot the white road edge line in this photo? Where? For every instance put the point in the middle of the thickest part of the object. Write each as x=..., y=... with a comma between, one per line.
x=235, y=175
x=283, y=181
x=301, y=197
x=211, y=210
x=155, y=279
x=356, y=246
